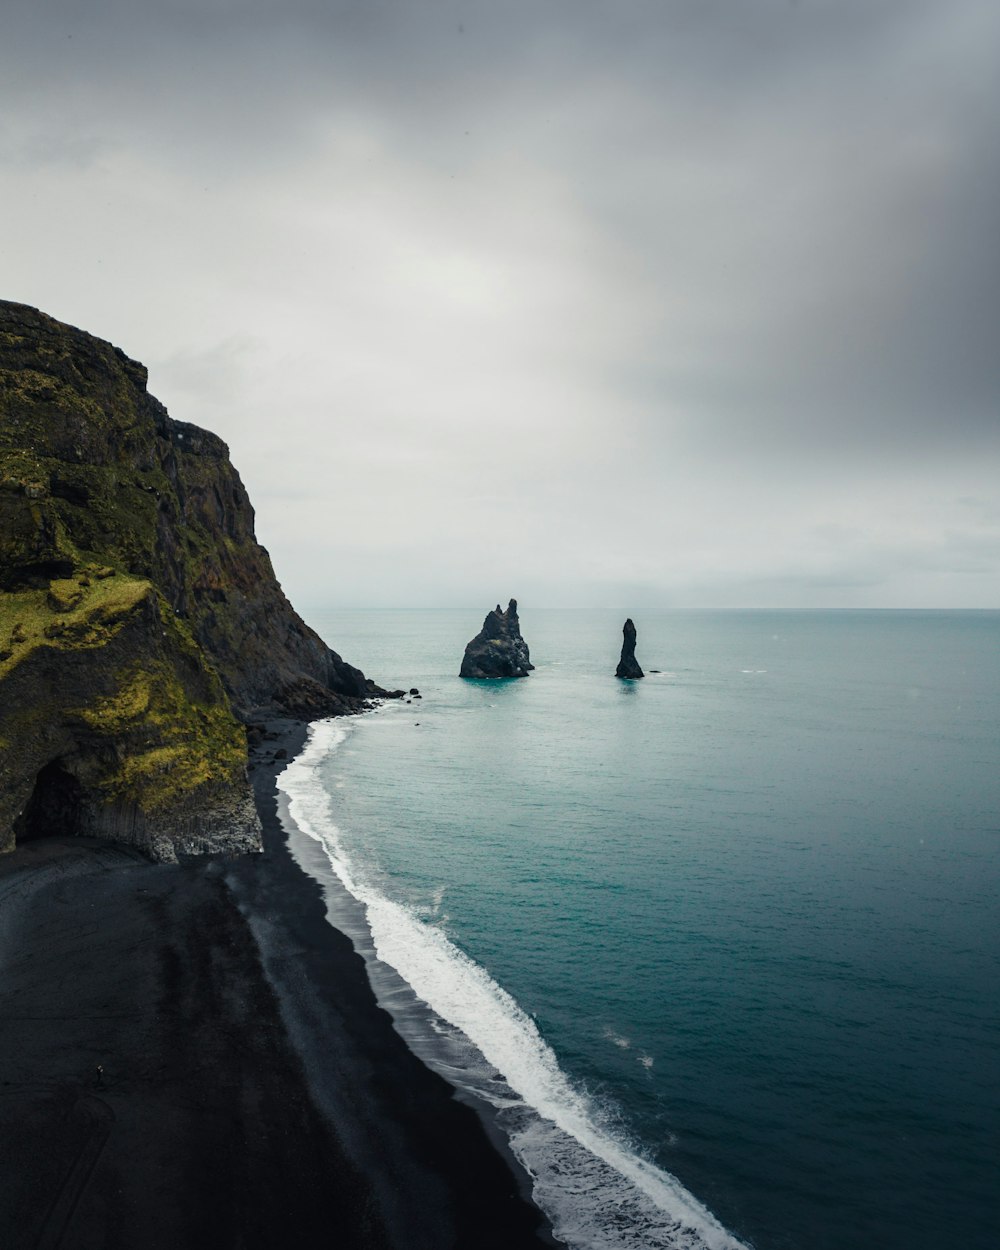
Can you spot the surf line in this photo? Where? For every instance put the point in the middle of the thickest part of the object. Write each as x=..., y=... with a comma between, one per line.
x=626, y=1201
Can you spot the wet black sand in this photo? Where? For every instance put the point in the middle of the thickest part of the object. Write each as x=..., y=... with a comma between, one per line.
x=192, y=1056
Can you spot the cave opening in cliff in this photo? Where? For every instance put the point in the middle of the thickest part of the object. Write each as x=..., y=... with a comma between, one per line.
x=54, y=807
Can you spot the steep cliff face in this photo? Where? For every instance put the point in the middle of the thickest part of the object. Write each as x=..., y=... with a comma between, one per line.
x=138, y=615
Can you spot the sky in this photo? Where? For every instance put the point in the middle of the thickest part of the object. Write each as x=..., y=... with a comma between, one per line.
x=641, y=304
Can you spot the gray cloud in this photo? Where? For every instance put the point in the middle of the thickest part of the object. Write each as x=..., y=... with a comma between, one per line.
x=684, y=301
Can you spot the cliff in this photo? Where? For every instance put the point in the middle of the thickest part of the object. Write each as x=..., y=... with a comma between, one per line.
x=140, y=620
x=498, y=650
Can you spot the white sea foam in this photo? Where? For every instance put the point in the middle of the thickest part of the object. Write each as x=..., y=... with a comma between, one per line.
x=598, y=1192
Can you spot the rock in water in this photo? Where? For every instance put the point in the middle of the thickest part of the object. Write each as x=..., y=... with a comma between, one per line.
x=140, y=621
x=498, y=650
x=628, y=666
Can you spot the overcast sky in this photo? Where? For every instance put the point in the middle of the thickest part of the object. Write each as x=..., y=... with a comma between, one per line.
x=638, y=303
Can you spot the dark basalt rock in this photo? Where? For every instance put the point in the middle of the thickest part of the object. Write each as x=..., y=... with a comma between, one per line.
x=628, y=667
x=140, y=620
x=498, y=650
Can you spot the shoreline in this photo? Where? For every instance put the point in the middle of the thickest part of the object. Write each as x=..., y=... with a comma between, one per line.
x=193, y=1055
x=394, y=996
x=471, y=1148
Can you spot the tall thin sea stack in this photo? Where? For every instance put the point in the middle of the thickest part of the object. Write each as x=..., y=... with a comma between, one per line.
x=498, y=650
x=628, y=667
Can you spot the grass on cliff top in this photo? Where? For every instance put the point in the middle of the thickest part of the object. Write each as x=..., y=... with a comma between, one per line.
x=75, y=613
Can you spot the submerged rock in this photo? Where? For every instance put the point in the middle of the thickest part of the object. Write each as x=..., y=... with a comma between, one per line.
x=140, y=620
x=498, y=650
x=628, y=667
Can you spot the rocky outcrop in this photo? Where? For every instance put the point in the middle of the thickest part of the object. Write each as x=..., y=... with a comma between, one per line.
x=628, y=667
x=140, y=621
x=498, y=650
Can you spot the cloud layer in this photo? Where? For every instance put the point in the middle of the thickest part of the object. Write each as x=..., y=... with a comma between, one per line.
x=681, y=303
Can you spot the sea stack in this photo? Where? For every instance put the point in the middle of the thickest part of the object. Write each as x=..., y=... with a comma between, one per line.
x=628, y=667
x=498, y=650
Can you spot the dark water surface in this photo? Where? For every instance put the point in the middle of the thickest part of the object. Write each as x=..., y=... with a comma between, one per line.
x=751, y=903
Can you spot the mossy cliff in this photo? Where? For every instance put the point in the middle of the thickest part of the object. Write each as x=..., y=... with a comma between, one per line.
x=140, y=621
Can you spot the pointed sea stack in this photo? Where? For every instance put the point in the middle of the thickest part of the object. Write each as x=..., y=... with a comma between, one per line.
x=628, y=667
x=498, y=650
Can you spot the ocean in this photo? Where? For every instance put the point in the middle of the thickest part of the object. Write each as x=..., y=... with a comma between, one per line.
x=720, y=948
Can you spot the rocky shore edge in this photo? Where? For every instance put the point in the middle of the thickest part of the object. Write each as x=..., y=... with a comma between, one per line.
x=191, y=1055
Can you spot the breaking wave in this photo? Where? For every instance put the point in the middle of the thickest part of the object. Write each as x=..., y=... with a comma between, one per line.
x=598, y=1192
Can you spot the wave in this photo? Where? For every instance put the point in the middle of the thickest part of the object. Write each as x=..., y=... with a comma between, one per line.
x=598, y=1192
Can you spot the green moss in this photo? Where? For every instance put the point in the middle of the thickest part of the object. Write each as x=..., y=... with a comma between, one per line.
x=124, y=708
x=172, y=745
x=46, y=398
x=21, y=469
x=118, y=521
x=167, y=718
x=64, y=594
x=27, y=619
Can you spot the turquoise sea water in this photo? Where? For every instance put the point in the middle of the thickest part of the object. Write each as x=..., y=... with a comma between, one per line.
x=737, y=924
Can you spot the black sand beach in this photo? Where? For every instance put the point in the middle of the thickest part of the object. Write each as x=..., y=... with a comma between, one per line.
x=192, y=1056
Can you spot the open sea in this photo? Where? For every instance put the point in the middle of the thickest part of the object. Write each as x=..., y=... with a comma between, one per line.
x=721, y=948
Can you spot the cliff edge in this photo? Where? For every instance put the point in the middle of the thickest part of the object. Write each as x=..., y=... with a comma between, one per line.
x=140, y=620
